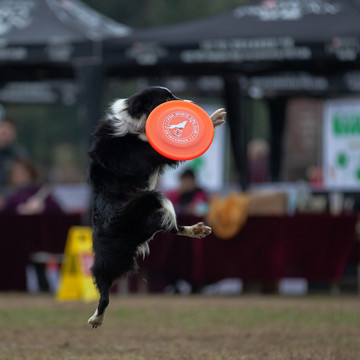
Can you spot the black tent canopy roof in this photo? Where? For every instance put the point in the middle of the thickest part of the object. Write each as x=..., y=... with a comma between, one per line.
x=264, y=31
x=51, y=30
x=43, y=40
x=305, y=20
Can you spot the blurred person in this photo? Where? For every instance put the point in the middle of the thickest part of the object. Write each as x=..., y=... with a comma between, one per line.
x=314, y=174
x=258, y=160
x=189, y=197
x=10, y=149
x=26, y=195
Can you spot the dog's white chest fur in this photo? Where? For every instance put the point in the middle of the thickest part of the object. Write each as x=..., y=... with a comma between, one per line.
x=123, y=123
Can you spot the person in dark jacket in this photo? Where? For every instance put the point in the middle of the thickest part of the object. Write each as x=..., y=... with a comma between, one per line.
x=188, y=198
x=10, y=149
x=27, y=196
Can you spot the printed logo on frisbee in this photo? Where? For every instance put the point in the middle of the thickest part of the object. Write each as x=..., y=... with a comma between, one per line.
x=180, y=127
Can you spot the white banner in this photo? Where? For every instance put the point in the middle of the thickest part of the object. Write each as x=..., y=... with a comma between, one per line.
x=341, y=155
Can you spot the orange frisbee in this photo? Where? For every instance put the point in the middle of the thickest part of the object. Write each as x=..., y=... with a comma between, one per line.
x=179, y=130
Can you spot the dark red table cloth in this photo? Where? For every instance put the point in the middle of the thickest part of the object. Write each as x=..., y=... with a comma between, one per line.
x=21, y=236
x=315, y=247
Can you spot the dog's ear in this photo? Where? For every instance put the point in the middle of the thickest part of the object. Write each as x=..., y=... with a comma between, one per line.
x=138, y=106
x=146, y=101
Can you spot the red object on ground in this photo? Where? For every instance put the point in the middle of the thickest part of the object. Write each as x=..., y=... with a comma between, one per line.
x=179, y=130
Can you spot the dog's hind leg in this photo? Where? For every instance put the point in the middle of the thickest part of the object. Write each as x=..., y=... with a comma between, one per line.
x=98, y=317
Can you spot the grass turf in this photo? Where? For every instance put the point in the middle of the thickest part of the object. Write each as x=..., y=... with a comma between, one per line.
x=156, y=328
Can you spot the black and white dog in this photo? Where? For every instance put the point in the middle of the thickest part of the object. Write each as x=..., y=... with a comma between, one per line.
x=127, y=210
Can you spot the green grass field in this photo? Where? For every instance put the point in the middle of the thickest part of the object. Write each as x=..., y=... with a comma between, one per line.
x=162, y=327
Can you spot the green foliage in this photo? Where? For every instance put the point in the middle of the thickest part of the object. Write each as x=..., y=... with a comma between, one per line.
x=42, y=130
x=145, y=13
x=259, y=126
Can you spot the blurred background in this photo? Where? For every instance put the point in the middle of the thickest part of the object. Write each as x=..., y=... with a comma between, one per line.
x=280, y=183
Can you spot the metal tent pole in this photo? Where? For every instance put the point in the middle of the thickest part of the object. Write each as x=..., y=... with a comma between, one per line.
x=277, y=109
x=234, y=100
x=90, y=78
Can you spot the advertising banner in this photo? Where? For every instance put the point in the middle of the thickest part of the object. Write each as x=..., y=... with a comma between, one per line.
x=341, y=155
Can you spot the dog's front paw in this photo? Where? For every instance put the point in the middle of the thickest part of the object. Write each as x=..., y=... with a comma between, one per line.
x=218, y=117
x=200, y=230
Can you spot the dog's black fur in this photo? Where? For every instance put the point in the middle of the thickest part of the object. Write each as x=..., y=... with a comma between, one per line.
x=127, y=211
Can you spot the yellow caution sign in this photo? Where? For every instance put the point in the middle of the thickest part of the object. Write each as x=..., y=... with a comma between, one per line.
x=76, y=282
